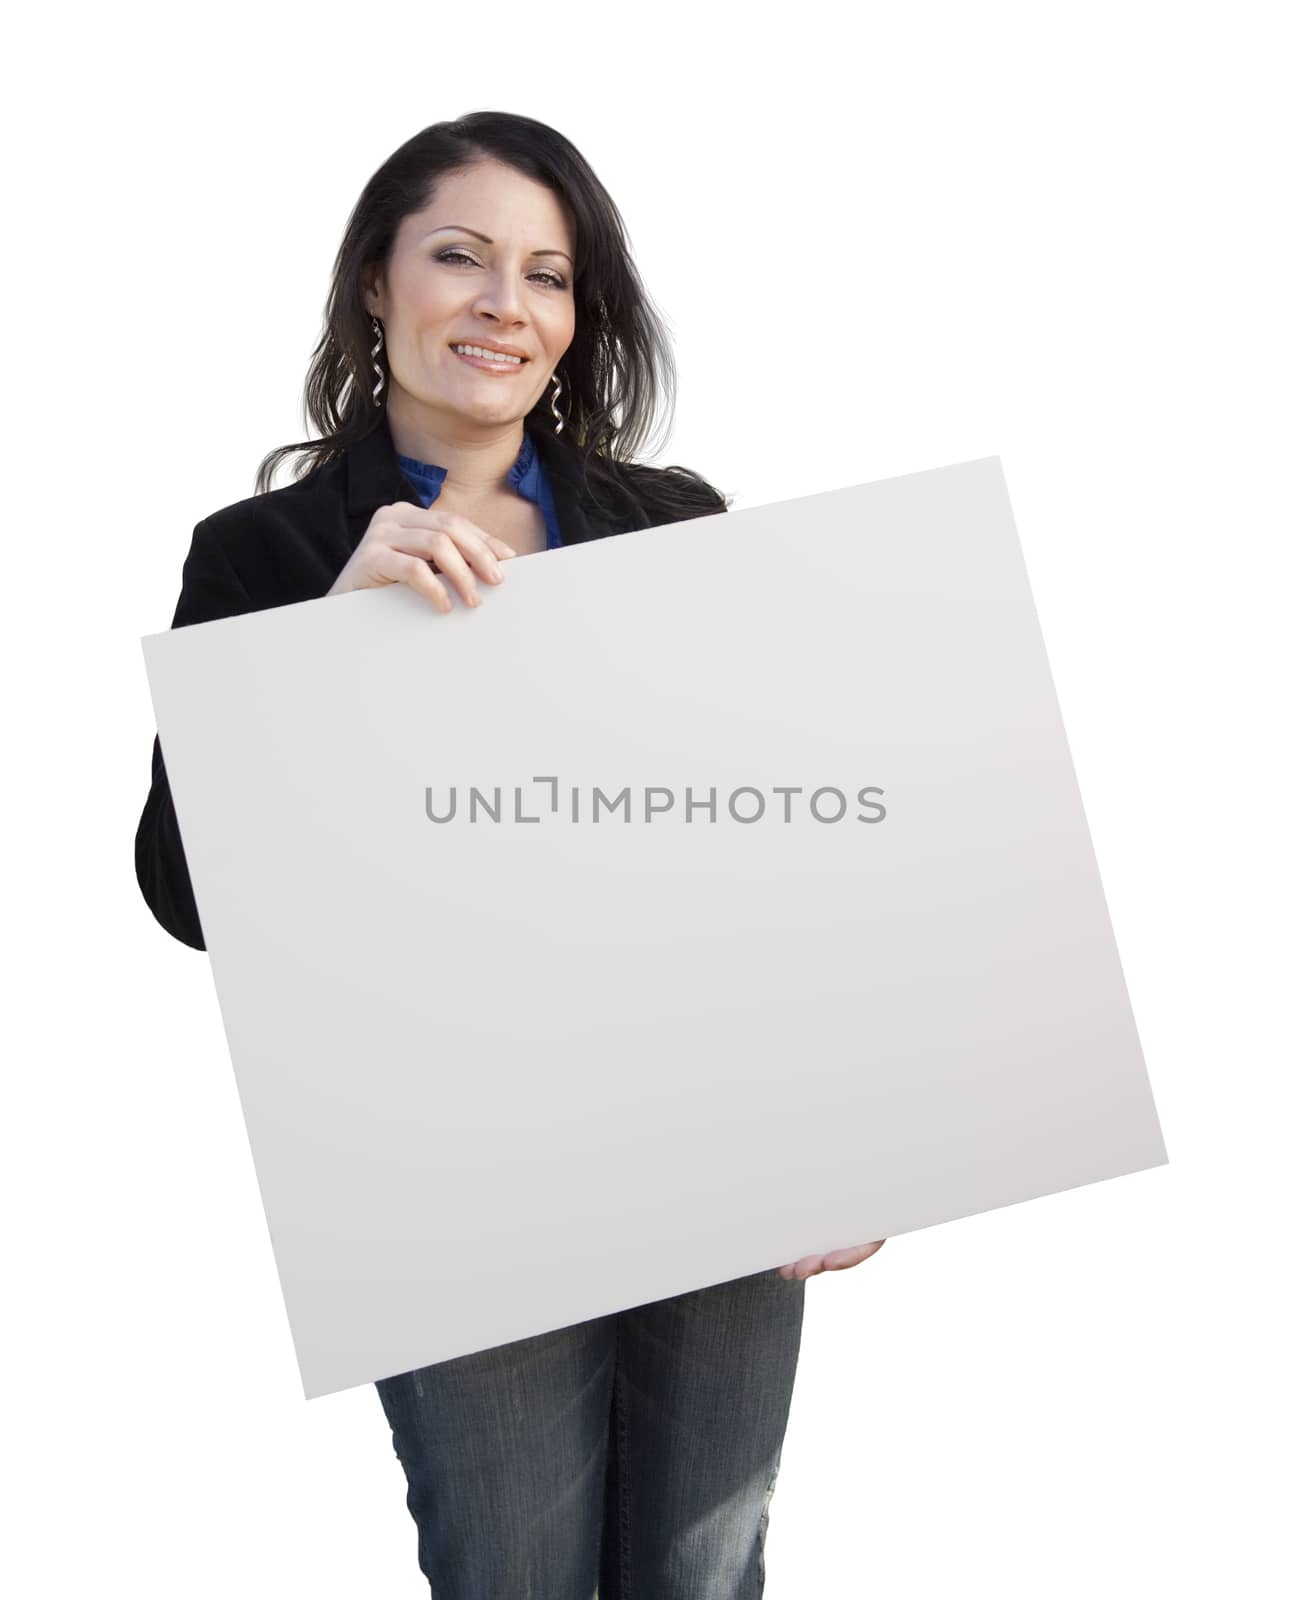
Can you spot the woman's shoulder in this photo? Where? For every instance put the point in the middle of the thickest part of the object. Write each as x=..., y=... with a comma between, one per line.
x=629, y=490
x=695, y=491
x=291, y=502
x=669, y=493
x=283, y=542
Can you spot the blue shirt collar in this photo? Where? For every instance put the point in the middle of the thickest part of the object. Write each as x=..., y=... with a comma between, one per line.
x=524, y=476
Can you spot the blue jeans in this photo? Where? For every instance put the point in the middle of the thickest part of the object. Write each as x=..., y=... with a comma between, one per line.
x=638, y=1449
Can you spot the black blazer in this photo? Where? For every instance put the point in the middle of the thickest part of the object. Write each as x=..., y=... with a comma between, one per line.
x=292, y=543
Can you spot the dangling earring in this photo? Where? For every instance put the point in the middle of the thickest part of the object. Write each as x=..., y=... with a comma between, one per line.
x=556, y=395
x=375, y=365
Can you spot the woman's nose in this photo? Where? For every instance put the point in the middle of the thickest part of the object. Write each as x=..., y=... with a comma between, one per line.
x=501, y=298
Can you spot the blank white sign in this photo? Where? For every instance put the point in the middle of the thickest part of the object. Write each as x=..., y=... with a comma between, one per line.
x=501, y=1076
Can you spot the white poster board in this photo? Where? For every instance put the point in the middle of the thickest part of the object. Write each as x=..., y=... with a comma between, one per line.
x=503, y=1076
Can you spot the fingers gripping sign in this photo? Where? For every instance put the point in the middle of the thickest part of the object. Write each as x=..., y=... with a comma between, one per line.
x=410, y=544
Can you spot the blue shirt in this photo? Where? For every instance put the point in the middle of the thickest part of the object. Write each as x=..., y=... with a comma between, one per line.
x=526, y=477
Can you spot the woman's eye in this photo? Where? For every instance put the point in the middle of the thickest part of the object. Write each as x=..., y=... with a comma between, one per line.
x=551, y=278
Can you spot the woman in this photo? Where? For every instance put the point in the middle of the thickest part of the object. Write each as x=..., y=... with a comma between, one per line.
x=489, y=367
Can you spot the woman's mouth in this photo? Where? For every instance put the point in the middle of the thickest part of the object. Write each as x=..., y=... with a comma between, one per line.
x=475, y=355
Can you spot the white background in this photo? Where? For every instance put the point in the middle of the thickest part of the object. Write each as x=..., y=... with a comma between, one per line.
x=1058, y=235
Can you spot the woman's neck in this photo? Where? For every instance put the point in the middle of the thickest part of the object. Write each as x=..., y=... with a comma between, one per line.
x=474, y=464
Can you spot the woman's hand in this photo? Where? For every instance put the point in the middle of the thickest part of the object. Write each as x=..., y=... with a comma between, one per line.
x=837, y=1261
x=404, y=542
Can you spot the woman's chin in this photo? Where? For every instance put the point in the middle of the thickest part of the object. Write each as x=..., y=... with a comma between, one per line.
x=489, y=411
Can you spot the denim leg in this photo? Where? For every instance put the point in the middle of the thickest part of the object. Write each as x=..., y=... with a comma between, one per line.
x=702, y=1392
x=505, y=1456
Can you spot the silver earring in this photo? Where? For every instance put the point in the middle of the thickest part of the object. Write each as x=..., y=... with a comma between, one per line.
x=375, y=365
x=556, y=395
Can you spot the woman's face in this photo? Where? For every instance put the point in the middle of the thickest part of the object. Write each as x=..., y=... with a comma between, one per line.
x=490, y=262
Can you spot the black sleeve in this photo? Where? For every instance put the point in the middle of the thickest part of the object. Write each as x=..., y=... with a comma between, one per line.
x=210, y=589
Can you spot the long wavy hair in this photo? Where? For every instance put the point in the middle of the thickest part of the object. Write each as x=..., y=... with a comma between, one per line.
x=618, y=375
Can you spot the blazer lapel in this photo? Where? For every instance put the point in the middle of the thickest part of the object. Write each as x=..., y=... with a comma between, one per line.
x=581, y=512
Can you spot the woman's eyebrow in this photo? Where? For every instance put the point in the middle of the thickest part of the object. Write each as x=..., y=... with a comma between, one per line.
x=462, y=228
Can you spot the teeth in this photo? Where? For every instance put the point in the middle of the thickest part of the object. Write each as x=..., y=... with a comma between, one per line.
x=486, y=355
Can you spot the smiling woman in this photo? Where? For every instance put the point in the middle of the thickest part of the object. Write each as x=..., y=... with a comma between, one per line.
x=489, y=370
